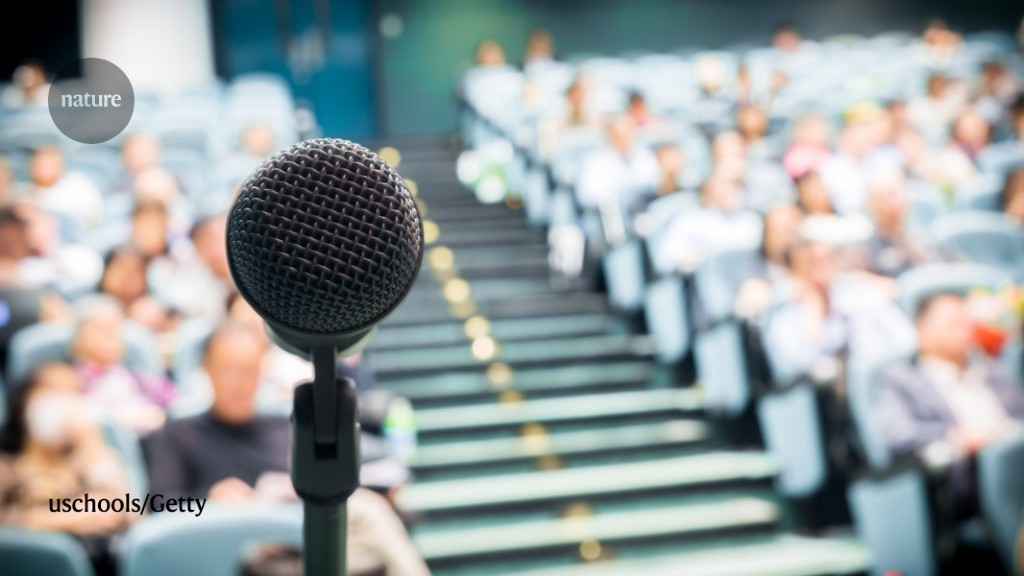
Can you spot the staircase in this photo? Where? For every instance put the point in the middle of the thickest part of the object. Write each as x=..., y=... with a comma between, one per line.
x=551, y=443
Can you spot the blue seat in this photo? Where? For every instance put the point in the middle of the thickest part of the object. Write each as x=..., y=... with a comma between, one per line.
x=1001, y=492
x=983, y=237
x=917, y=284
x=1001, y=158
x=667, y=314
x=36, y=553
x=862, y=378
x=624, y=275
x=892, y=518
x=175, y=544
x=718, y=342
x=48, y=342
x=926, y=204
x=126, y=444
x=982, y=194
x=793, y=436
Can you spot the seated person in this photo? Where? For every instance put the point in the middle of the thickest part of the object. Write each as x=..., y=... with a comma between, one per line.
x=781, y=224
x=232, y=454
x=810, y=147
x=812, y=196
x=891, y=250
x=719, y=223
x=671, y=164
x=945, y=405
x=53, y=448
x=132, y=399
x=825, y=310
x=59, y=191
x=232, y=451
x=619, y=174
x=124, y=279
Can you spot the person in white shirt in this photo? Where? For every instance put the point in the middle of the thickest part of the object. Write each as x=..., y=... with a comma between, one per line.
x=719, y=223
x=620, y=173
x=71, y=196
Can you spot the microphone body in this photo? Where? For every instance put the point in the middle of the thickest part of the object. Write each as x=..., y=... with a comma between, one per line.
x=324, y=241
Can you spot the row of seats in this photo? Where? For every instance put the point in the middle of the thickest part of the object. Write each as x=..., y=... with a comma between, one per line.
x=692, y=314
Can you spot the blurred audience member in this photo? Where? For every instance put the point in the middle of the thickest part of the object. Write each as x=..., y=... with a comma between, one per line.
x=944, y=406
x=845, y=173
x=71, y=196
x=714, y=101
x=752, y=125
x=6, y=181
x=232, y=454
x=28, y=87
x=939, y=43
x=812, y=196
x=619, y=174
x=671, y=165
x=150, y=229
x=577, y=114
x=719, y=223
x=199, y=283
x=825, y=311
x=52, y=261
x=932, y=114
x=132, y=399
x=490, y=54
x=223, y=453
x=52, y=449
x=539, y=51
x=810, y=147
x=1011, y=200
x=891, y=250
x=996, y=92
x=779, y=231
x=124, y=279
x=786, y=37
x=139, y=152
x=638, y=110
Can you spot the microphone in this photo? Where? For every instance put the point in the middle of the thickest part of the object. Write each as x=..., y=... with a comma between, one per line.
x=324, y=241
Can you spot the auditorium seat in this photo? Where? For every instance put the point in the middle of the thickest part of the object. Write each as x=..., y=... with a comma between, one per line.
x=892, y=518
x=174, y=544
x=33, y=552
x=47, y=342
x=793, y=435
x=1000, y=477
x=667, y=315
x=916, y=284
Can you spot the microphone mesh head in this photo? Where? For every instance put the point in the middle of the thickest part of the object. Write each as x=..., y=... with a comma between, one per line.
x=324, y=238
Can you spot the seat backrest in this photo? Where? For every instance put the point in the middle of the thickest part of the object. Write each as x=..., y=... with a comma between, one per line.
x=892, y=518
x=1000, y=478
x=923, y=281
x=862, y=380
x=667, y=314
x=982, y=236
x=793, y=435
x=32, y=552
x=126, y=443
x=718, y=279
x=624, y=275
x=48, y=342
x=722, y=367
x=175, y=544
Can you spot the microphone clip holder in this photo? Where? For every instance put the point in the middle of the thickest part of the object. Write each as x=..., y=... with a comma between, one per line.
x=325, y=462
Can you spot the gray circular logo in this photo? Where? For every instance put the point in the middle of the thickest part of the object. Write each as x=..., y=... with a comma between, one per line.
x=91, y=100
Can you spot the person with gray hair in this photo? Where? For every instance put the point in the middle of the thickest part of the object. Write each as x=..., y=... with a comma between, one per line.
x=128, y=397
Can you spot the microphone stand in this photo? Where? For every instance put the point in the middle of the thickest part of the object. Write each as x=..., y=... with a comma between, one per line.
x=325, y=463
